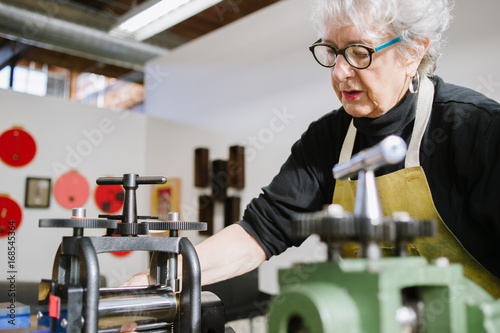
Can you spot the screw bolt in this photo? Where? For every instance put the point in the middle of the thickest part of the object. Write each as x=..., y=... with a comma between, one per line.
x=442, y=262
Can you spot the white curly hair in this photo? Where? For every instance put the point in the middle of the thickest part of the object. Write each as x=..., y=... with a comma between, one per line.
x=414, y=20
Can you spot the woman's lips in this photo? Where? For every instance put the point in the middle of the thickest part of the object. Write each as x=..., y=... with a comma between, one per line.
x=351, y=95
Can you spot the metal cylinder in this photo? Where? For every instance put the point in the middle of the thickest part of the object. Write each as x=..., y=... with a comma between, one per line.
x=174, y=216
x=74, y=273
x=118, y=306
x=79, y=213
x=391, y=150
x=172, y=280
x=130, y=202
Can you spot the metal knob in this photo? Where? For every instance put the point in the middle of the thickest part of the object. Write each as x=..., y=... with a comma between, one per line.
x=391, y=150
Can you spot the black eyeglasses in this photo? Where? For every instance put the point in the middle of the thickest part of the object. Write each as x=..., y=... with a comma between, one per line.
x=357, y=55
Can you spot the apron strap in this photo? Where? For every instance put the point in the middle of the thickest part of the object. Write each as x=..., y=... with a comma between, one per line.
x=423, y=112
x=348, y=145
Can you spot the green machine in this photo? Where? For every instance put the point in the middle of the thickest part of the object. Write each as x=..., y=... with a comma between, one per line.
x=376, y=293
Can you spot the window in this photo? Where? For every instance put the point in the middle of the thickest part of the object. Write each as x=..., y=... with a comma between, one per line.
x=29, y=81
x=5, y=77
x=92, y=89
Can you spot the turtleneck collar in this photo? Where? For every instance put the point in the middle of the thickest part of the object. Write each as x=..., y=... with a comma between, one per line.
x=393, y=121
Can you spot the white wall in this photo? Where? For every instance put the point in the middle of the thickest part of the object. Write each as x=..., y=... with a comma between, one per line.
x=129, y=143
x=170, y=153
x=471, y=56
x=59, y=129
x=238, y=79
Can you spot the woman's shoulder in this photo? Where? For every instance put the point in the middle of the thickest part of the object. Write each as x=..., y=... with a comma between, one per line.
x=450, y=96
x=324, y=134
x=332, y=121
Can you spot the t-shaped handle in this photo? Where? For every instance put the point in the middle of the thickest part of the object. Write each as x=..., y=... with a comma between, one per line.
x=391, y=150
x=130, y=183
x=367, y=208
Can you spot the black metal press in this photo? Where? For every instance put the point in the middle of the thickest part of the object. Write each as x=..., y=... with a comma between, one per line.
x=73, y=302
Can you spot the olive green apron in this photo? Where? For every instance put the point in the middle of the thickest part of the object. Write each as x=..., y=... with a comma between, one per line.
x=417, y=198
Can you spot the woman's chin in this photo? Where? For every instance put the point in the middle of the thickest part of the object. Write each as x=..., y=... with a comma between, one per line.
x=361, y=111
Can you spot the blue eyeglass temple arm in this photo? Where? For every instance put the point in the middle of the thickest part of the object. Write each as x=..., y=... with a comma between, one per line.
x=389, y=43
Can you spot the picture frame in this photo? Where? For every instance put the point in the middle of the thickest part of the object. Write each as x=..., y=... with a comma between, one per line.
x=166, y=198
x=37, y=192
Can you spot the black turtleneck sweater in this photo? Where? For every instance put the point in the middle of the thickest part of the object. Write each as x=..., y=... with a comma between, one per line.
x=460, y=155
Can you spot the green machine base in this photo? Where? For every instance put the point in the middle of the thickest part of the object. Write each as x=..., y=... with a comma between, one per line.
x=381, y=296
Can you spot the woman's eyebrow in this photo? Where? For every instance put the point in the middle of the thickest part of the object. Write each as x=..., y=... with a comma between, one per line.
x=350, y=42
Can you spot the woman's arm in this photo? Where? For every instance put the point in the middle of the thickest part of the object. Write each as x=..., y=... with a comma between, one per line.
x=229, y=253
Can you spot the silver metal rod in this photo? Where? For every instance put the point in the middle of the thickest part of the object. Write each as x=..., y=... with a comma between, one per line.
x=173, y=280
x=391, y=150
x=367, y=201
x=123, y=305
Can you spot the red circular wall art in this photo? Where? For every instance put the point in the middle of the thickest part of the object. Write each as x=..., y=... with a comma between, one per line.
x=10, y=215
x=121, y=253
x=71, y=190
x=109, y=198
x=17, y=147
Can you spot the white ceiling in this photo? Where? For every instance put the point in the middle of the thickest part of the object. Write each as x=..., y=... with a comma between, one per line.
x=240, y=73
x=232, y=79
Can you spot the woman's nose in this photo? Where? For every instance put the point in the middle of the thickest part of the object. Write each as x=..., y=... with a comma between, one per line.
x=342, y=70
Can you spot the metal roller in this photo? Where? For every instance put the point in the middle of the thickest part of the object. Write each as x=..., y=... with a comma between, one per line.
x=143, y=306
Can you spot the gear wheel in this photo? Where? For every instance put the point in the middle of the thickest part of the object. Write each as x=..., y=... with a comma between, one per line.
x=409, y=228
x=131, y=229
x=332, y=223
x=78, y=223
x=181, y=225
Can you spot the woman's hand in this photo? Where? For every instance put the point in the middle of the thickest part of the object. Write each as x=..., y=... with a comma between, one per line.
x=140, y=279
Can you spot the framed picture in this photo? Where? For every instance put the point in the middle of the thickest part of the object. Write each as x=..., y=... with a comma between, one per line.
x=37, y=193
x=166, y=199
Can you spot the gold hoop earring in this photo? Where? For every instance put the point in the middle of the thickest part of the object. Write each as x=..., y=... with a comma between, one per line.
x=415, y=83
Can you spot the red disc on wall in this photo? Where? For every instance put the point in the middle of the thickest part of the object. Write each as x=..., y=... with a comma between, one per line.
x=71, y=190
x=17, y=147
x=109, y=198
x=10, y=215
x=121, y=253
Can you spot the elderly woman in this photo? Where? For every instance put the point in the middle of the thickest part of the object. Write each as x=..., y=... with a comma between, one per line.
x=381, y=56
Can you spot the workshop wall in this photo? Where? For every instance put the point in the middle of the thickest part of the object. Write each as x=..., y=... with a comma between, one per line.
x=95, y=142
x=69, y=136
x=472, y=49
x=170, y=153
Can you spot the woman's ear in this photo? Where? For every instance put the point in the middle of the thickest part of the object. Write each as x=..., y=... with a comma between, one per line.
x=416, y=57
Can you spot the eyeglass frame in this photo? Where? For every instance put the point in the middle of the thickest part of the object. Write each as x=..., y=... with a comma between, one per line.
x=371, y=51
